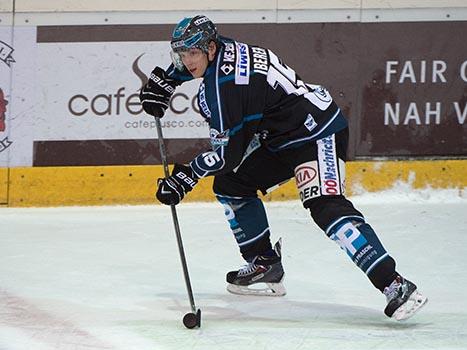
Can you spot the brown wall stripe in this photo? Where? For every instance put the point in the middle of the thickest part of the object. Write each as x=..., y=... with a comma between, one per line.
x=115, y=152
x=105, y=33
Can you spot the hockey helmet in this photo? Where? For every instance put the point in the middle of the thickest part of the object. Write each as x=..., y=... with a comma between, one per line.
x=192, y=32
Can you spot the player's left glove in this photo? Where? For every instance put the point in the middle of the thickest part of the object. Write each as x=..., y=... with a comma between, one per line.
x=172, y=189
x=156, y=94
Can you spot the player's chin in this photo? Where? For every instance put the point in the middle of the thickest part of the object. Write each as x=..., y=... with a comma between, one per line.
x=196, y=73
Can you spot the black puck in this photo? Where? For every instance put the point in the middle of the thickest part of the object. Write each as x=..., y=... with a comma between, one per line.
x=190, y=320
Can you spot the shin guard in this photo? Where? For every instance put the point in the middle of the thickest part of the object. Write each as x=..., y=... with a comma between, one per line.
x=359, y=241
x=249, y=224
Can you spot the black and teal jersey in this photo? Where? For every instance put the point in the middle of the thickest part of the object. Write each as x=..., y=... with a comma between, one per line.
x=251, y=99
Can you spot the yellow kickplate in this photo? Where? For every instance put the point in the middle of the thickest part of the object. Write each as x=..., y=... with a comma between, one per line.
x=106, y=185
x=115, y=185
x=3, y=186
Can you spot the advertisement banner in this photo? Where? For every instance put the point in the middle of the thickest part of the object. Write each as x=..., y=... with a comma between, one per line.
x=92, y=93
x=93, y=113
x=73, y=99
x=93, y=116
x=414, y=90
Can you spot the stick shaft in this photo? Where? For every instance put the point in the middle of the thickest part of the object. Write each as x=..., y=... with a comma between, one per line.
x=175, y=218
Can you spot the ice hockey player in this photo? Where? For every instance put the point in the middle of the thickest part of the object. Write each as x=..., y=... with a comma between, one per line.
x=266, y=127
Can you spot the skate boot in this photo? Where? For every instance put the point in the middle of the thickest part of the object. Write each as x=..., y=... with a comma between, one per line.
x=262, y=276
x=403, y=299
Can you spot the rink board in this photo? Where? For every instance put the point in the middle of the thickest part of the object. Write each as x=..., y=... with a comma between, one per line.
x=113, y=185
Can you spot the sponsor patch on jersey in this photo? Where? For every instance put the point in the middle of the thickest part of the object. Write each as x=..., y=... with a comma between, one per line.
x=203, y=104
x=227, y=68
x=218, y=139
x=319, y=96
x=307, y=180
x=329, y=167
x=322, y=94
x=242, y=65
x=310, y=123
x=229, y=53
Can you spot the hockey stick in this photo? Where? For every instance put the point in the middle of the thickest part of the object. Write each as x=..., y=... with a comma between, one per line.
x=193, y=319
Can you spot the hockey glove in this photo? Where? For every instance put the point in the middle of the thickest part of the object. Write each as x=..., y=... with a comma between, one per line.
x=172, y=189
x=156, y=94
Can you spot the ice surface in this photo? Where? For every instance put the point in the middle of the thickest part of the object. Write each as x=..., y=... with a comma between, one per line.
x=110, y=278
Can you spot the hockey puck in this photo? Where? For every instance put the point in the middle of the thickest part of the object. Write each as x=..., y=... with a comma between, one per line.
x=192, y=320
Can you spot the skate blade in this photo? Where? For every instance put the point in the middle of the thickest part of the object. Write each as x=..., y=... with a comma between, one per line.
x=415, y=302
x=270, y=290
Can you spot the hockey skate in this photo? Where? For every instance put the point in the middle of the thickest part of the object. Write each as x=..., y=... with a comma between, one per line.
x=403, y=298
x=263, y=276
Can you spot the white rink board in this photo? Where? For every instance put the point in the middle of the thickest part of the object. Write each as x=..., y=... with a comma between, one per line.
x=110, y=278
x=96, y=95
x=21, y=95
x=144, y=5
x=85, y=91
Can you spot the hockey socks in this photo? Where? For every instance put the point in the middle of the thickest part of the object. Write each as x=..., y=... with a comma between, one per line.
x=361, y=244
x=249, y=224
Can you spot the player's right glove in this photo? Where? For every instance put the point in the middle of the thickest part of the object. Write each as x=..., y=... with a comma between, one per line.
x=156, y=94
x=172, y=189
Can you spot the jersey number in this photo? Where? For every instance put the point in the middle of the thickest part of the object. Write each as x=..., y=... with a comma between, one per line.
x=281, y=74
x=211, y=158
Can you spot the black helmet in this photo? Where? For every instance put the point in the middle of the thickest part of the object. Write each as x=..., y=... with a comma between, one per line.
x=192, y=32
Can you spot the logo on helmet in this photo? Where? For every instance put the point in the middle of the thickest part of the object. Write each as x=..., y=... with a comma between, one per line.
x=177, y=44
x=193, y=40
x=181, y=27
x=201, y=20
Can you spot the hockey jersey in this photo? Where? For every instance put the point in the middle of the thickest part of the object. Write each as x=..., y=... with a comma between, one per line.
x=252, y=99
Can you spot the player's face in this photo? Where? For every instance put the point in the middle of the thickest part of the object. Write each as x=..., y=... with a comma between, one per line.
x=196, y=61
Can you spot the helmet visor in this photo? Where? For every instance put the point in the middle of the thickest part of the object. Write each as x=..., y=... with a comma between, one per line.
x=177, y=60
x=179, y=46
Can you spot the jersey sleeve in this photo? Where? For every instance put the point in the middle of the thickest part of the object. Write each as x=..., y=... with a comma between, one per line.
x=181, y=75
